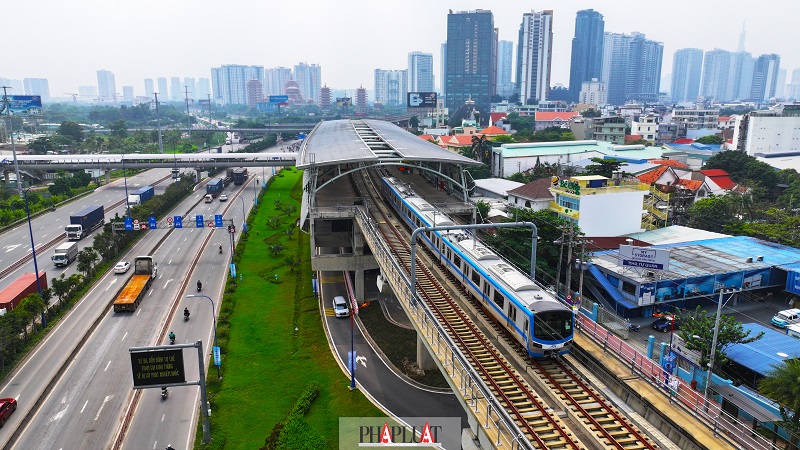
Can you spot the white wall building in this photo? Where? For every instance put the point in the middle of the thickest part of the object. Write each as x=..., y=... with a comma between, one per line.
x=768, y=135
x=593, y=93
x=420, y=72
x=391, y=87
x=536, y=49
x=106, y=86
x=647, y=127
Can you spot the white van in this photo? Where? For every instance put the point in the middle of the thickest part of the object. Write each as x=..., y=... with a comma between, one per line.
x=786, y=317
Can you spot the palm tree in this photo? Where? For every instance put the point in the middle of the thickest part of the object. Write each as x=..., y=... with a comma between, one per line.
x=781, y=385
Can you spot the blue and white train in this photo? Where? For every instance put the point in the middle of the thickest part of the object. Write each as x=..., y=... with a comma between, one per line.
x=535, y=318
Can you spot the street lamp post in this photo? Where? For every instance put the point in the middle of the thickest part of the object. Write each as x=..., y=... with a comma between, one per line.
x=244, y=218
x=214, y=350
x=714, y=341
x=33, y=252
x=125, y=179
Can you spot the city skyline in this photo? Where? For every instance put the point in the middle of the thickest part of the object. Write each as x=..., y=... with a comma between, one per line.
x=135, y=55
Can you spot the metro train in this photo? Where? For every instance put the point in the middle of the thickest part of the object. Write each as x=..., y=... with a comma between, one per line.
x=533, y=316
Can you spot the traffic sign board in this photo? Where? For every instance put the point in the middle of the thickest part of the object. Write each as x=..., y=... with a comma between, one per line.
x=218, y=220
x=178, y=222
x=169, y=219
x=210, y=224
x=143, y=226
x=152, y=223
x=198, y=220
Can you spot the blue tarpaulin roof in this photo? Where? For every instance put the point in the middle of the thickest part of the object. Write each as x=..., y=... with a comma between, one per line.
x=760, y=355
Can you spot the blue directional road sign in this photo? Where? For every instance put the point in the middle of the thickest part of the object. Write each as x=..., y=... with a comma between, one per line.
x=217, y=359
x=233, y=270
x=218, y=220
x=152, y=223
x=177, y=222
x=199, y=221
x=128, y=224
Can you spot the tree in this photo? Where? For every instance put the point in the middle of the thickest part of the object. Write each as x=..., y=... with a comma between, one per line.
x=714, y=213
x=72, y=130
x=521, y=124
x=711, y=139
x=781, y=385
x=644, y=142
x=483, y=209
x=604, y=167
x=591, y=112
x=503, y=139
x=413, y=122
x=119, y=129
x=697, y=330
x=86, y=260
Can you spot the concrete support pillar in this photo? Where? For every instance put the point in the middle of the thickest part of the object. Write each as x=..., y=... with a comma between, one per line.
x=6, y=179
x=651, y=346
x=108, y=176
x=198, y=175
x=424, y=359
x=359, y=287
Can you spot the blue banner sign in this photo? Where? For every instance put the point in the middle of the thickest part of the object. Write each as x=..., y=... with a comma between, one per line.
x=218, y=220
x=177, y=222
x=152, y=223
x=198, y=219
x=24, y=105
x=128, y=224
x=278, y=98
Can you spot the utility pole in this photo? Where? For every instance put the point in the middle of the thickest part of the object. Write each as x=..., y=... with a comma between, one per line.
x=569, y=258
x=13, y=145
x=158, y=121
x=209, y=108
x=188, y=117
x=560, y=258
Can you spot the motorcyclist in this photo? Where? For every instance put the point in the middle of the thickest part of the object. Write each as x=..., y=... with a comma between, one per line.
x=164, y=392
x=186, y=312
x=169, y=447
x=199, y=285
x=171, y=337
x=220, y=248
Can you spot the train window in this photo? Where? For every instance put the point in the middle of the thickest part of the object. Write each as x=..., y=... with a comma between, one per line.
x=525, y=326
x=486, y=289
x=554, y=325
x=457, y=262
x=498, y=298
x=512, y=312
x=476, y=277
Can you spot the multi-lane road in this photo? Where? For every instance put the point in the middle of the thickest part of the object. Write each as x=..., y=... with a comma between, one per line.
x=75, y=389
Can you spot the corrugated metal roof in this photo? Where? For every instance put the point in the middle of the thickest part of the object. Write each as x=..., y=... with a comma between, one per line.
x=351, y=141
x=497, y=185
x=674, y=234
x=759, y=356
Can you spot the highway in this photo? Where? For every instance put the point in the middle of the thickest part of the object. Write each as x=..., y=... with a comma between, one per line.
x=86, y=354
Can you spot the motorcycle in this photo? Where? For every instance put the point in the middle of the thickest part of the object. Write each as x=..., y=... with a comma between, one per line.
x=164, y=393
x=220, y=249
x=186, y=316
x=199, y=286
x=633, y=327
x=171, y=339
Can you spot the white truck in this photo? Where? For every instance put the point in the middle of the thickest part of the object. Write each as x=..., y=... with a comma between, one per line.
x=65, y=254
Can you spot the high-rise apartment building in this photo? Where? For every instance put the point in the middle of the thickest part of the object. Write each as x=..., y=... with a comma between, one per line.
x=505, y=65
x=88, y=93
x=149, y=87
x=631, y=67
x=391, y=87
x=127, y=93
x=536, y=49
x=309, y=80
x=162, y=88
x=255, y=92
x=17, y=86
x=420, y=72
x=190, y=85
x=175, y=89
x=471, y=63
x=230, y=82
x=687, y=67
x=37, y=86
x=276, y=79
x=203, y=88
x=765, y=77
x=780, y=87
x=443, y=69
x=106, y=86
x=587, y=50
x=593, y=92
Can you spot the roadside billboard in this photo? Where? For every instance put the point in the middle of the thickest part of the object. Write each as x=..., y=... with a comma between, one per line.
x=24, y=105
x=279, y=99
x=421, y=100
x=644, y=257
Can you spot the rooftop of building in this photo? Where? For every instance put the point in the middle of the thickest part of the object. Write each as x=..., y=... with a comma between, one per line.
x=536, y=189
x=497, y=185
x=761, y=355
x=528, y=149
x=493, y=130
x=674, y=234
x=547, y=116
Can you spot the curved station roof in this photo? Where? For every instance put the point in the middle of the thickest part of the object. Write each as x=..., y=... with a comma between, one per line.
x=369, y=141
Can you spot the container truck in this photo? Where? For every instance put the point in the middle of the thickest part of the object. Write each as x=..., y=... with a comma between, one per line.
x=214, y=187
x=141, y=195
x=22, y=287
x=65, y=254
x=84, y=222
x=144, y=271
x=240, y=176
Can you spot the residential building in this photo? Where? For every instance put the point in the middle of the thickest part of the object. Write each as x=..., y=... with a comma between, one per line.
x=88, y=93
x=505, y=64
x=687, y=67
x=16, y=85
x=230, y=82
x=149, y=87
x=391, y=87
x=127, y=94
x=536, y=48
x=494, y=188
x=309, y=80
x=670, y=132
x=631, y=67
x=600, y=206
x=587, y=51
x=593, y=92
x=553, y=119
x=37, y=86
x=191, y=86
x=175, y=90
x=769, y=132
x=609, y=129
x=780, y=86
x=765, y=77
x=255, y=93
x=203, y=88
x=106, y=86
x=696, y=119
x=276, y=80
x=646, y=127
x=535, y=195
x=162, y=88
x=471, y=62
x=443, y=68
x=420, y=72
x=744, y=65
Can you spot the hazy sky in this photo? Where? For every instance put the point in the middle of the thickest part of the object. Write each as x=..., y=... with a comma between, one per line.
x=68, y=41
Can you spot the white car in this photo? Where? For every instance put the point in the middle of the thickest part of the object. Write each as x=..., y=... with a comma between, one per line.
x=223, y=198
x=340, y=306
x=122, y=267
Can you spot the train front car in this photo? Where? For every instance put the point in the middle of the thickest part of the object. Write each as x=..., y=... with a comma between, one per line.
x=552, y=330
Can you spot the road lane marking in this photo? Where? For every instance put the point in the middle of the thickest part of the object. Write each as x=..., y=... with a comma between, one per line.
x=84, y=406
x=124, y=336
x=109, y=363
x=113, y=280
x=163, y=416
x=105, y=400
x=170, y=262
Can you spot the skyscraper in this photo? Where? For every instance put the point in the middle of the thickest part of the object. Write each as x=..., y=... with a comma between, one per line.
x=536, y=47
x=471, y=63
x=255, y=92
x=230, y=82
x=309, y=80
x=391, y=87
x=276, y=79
x=203, y=88
x=37, y=86
x=420, y=72
x=443, y=69
x=687, y=67
x=189, y=83
x=721, y=74
x=162, y=88
x=148, y=87
x=175, y=90
x=127, y=93
x=587, y=50
x=631, y=67
x=106, y=86
x=505, y=63
x=765, y=77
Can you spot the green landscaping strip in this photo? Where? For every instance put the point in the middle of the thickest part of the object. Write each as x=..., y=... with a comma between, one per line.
x=273, y=344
